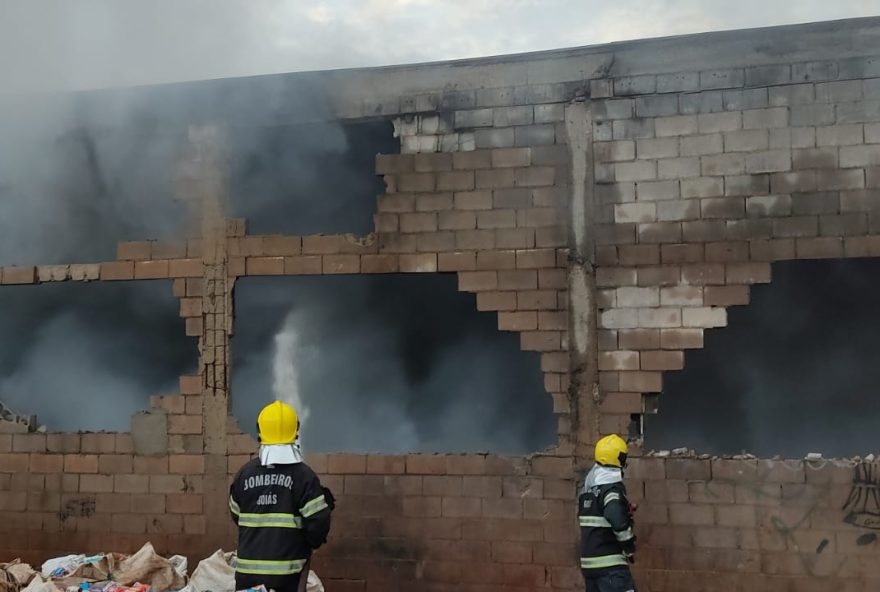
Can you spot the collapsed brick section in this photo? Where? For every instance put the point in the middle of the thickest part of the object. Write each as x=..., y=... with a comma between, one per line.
x=702, y=179
x=493, y=216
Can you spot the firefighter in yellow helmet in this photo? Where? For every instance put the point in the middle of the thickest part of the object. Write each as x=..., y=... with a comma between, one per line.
x=605, y=518
x=281, y=508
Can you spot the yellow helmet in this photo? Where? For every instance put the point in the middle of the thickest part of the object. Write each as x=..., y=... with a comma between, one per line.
x=611, y=451
x=278, y=424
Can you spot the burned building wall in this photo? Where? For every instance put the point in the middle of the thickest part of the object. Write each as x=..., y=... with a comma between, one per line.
x=711, y=157
x=704, y=179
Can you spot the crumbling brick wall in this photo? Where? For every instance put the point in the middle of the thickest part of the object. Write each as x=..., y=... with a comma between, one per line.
x=703, y=173
x=704, y=179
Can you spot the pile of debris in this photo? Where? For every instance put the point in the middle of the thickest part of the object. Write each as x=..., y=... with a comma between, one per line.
x=145, y=571
x=12, y=423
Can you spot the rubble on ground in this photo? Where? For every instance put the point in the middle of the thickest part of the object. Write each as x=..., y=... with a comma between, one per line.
x=810, y=457
x=13, y=423
x=145, y=571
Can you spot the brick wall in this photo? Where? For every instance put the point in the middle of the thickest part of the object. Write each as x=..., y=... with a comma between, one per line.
x=61, y=493
x=747, y=524
x=700, y=180
x=705, y=179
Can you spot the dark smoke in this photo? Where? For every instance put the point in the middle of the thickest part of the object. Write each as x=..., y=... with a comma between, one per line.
x=88, y=356
x=390, y=363
x=796, y=371
x=80, y=172
x=377, y=364
x=309, y=178
x=384, y=364
x=74, y=182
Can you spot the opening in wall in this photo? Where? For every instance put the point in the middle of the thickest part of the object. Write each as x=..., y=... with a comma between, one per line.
x=386, y=364
x=308, y=179
x=88, y=356
x=796, y=371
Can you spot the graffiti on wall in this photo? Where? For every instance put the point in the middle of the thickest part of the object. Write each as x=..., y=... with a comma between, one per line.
x=862, y=507
x=77, y=508
x=861, y=511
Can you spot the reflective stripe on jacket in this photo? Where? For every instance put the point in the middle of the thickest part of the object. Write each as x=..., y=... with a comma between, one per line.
x=282, y=516
x=606, y=527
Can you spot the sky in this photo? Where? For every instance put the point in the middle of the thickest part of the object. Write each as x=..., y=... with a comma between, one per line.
x=50, y=45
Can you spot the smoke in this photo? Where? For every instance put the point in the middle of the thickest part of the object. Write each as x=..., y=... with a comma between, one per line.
x=308, y=178
x=88, y=356
x=388, y=364
x=382, y=364
x=74, y=182
x=81, y=172
x=796, y=371
x=285, y=385
x=101, y=43
x=72, y=186
x=462, y=393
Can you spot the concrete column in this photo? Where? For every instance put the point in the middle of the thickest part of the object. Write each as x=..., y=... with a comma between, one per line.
x=208, y=189
x=584, y=389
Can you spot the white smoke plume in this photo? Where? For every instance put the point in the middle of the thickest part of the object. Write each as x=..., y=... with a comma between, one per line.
x=285, y=377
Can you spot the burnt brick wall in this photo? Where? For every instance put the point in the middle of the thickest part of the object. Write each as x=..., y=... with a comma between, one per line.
x=705, y=179
x=702, y=179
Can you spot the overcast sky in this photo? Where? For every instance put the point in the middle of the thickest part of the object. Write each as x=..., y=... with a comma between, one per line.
x=66, y=44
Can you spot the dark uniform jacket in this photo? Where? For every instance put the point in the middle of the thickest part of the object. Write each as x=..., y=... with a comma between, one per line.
x=607, y=539
x=283, y=514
